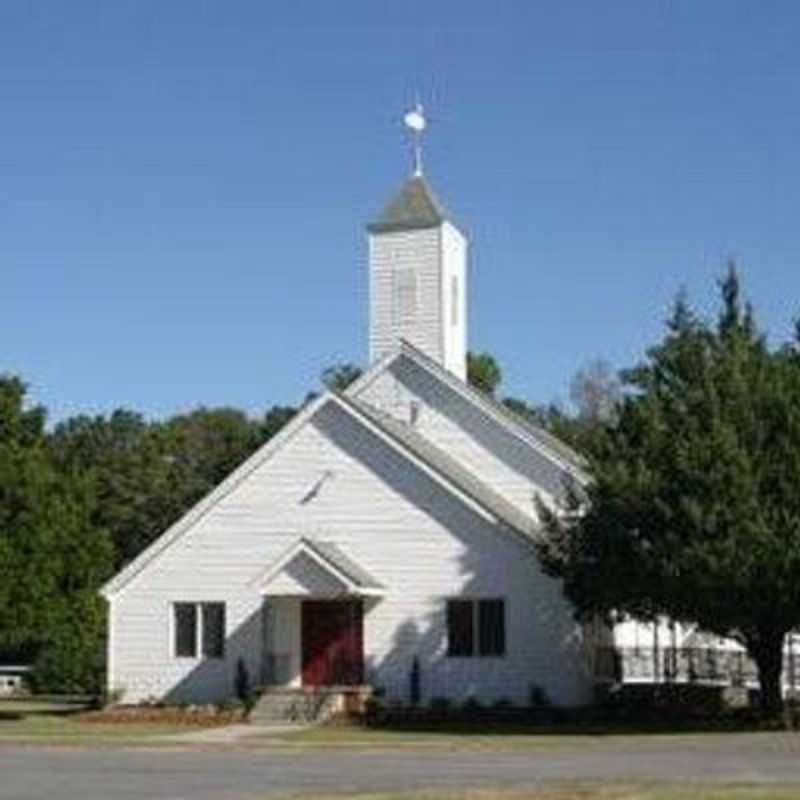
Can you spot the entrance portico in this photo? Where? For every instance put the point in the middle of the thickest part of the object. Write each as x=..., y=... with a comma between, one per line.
x=313, y=617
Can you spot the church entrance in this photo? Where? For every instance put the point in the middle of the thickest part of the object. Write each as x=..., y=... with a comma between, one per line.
x=332, y=642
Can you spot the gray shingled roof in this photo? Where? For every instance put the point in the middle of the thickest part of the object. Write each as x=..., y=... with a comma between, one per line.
x=451, y=469
x=414, y=206
x=331, y=553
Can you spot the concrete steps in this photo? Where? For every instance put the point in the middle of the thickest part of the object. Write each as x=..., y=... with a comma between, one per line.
x=301, y=706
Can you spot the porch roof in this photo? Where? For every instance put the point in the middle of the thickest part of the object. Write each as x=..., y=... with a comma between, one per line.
x=314, y=566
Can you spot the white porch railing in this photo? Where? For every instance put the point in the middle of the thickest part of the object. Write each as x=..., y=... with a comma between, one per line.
x=686, y=665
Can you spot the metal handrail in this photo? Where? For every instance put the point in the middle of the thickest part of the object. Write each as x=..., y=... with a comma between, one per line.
x=684, y=665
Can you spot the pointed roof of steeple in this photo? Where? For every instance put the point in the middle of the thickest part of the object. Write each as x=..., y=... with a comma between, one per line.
x=414, y=207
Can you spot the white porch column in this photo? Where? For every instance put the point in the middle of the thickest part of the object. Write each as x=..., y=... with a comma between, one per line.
x=282, y=641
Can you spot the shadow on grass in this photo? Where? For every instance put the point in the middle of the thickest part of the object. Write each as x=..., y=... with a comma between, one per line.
x=576, y=727
x=16, y=709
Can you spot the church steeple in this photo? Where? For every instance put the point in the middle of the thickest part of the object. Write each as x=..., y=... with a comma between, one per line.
x=414, y=207
x=418, y=272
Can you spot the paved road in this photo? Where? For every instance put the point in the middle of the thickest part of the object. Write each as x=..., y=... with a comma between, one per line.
x=53, y=774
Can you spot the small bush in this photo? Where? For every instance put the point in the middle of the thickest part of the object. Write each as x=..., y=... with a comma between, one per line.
x=670, y=700
x=537, y=697
x=440, y=705
x=228, y=706
x=107, y=699
x=472, y=706
x=415, y=683
x=503, y=703
x=243, y=687
x=374, y=708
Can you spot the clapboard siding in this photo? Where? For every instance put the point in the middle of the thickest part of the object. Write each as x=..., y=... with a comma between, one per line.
x=416, y=537
x=459, y=427
x=390, y=253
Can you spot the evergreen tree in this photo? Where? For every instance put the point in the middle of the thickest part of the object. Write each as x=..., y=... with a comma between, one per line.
x=483, y=372
x=52, y=557
x=694, y=511
x=339, y=376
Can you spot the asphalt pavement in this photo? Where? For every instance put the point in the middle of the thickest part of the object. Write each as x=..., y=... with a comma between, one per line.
x=38, y=773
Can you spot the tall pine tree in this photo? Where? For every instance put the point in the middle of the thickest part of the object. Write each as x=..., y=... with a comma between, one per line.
x=694, y=507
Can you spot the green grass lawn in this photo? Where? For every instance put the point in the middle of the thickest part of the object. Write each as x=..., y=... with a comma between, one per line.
x=499, y=737
x=57, y=722
x=54, y=722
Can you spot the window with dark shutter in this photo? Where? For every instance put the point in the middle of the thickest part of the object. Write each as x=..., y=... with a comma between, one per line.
x=491, y=628
x=185, y=630
x=476, y=627
x=460, y=634
x=213, y=630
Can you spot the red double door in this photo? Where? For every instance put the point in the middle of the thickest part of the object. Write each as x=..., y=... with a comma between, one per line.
x=333, y=642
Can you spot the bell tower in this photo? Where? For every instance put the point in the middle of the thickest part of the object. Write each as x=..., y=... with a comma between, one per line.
x=418, y=271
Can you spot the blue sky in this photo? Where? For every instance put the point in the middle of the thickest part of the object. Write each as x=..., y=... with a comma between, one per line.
x=184, y=185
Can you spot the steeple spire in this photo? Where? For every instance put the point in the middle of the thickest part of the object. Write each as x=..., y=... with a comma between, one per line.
x=416, y=123
x=418, y=270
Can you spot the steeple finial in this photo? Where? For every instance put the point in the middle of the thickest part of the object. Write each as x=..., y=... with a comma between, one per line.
x=415, y=123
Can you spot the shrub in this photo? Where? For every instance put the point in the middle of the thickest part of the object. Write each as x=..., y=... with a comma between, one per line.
x=374, y=708
x=227, y=706
x=243, y=687
x=440, y=705
x=71, y=660
x=537, y=697
x=67, y=665
x=473, y=706
x=107, y=699
x=415, y=683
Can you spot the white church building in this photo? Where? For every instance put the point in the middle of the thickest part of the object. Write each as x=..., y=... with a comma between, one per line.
x=383, y=528
x=384, y=538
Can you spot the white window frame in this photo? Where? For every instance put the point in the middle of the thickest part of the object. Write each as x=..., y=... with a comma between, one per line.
x=198, y=633
x=476, y=600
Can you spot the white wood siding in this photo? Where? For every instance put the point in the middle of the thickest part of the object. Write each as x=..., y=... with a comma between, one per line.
x=457, y=426
x=391, y=254
x=414, y=536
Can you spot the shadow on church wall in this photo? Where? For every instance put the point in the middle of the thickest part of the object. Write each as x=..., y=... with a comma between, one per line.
x=555, y=659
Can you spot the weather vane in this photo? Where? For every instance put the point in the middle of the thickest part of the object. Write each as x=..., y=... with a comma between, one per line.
x=415, y=123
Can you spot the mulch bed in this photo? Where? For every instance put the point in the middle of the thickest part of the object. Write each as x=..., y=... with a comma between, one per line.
x=200, y=716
